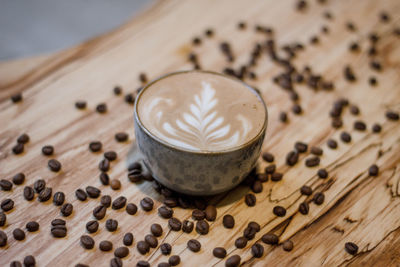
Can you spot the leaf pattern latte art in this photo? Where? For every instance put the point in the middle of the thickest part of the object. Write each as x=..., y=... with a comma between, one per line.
x=200, y=127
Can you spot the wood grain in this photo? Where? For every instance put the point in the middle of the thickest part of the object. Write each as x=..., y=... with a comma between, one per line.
x=357, y=208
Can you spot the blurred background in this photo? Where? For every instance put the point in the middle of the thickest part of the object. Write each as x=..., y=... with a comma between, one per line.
x=32, y=27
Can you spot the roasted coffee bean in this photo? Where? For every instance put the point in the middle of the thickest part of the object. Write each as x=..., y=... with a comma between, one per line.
x=165, y=248
x=58, y=198
x=199, y=203
x=135, y=175
x=110, y=155
x=249, y=233
x=105, y=245
x=54, y=165
x=373, y=170
x=128, y=239
x=187, y=226
x=287, y=245
x=95, y=146
x=332, y=144
x=143, y=247
x=99, y=212
x=18, y=234
x=322, y=173
x=351, y=248
x=92, y=226
x=376, y=128
x=292, y=158
x=391, y=115
x=250, y=200
x=301, y=147
x=3, y=218
x=117, y=90
x=80, y=104
x=39, y=185
x=121, y=137
x=270, y=239
x=104, y=178
x=257, y=187
x=104, y=165
x=219, y=252
x=15, y=264
x=165, y=212
x=32, y=226
x=5, y=185
x=202, y=227
x=198, y=215
x=276, y=176
x=56, y=222
x=48, y=150
x=7, y=204
x=262, y=177
x=19, y=178
x=105, y=201
x=319, y=198
x=349, y=74
x=115, y=184
x=29, y=261
x=80, y=194
x=147, y=204
x=270, y=169
x=129, y=98
x=111, y=225
x=254, y=225
x=156, y=229
x=45, y=194
x=135, y=165
x=316, y=151
x=101, y=108
x=174, y=260
x=175, y=224
x=18, y=149
x=131, y=209
x=151, y=240
x=304, y=208
x=337, y=123
x=143, y=263
x=312, y=162
x=121, y=252
x=87, y=242
x=3, y=239
x=211, y=213
x=360, y=126
x=257, y=250
x=268, y=157
x=119, y=203
x=279, y=211
x=233, y=261
x=59, y=231
x=93, y=192
x=228, y=221
x=116, y=262
x=194, y=245
x=297, y=109
x=283, y=117
x=16, y=98
x=66, y=209
x=184, y=202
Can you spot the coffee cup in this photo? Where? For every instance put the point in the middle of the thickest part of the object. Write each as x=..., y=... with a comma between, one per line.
x=199, y=132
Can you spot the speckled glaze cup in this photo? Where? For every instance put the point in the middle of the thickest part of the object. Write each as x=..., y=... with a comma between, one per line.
x=196, y=172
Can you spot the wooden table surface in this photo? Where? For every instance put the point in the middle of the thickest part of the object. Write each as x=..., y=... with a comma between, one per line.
x=358, y=208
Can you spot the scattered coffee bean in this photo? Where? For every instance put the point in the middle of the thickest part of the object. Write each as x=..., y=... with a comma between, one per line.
x=301, y=147
x=345, y=137
x=211, y=213
x=104, y=178
x=115, y=184
x=110, y=155
x=187, y=226
x=287, y=245
x=3, y=219
x=219, y=252
x=99, y=212
x=39, y=185
x=171, y=202
x=45, y=194
x=249, y=233
x=304, y=208
x=156, y=229
x=233, y=261
x=391, y=115
x=93, y=192
x=116, y=262
x=276, y=176
x=54, y=165
x=351, y=248
x=268, y=157
x=48, y=150
x=270, y=169
x=80, y=194
x=360, y=126
x=143, y=263
x=165, y=212
x=319, y=198
x=3, y=239
x=80, y=104
x=92, y=226
x=32, y=226
x=143, y=247
x=105, y=245
x=297, y=109
x=121, y=252
x=376, y=128
x=117, y=90
x=101, y=108
x=66, y=209
x=15, y=264
x=119, y=203
x=128, y=239
x=23, y=138
x=16, y=98
x=332, y=144
x=279, y=211
x=111, y=225
x=59, y=231
x=174, y=260
x=198, y=215
x=292, y=158
x=58, y=198
x=131, y=209
x=18, y=234
x=18, y=149
x=257, y=250
x=147, y=204
x=7, y=204
x=337, y=123
x=373, y=170
x=262, y=177
x=29, y=194
x=105, y=201
x=254, y=225
x=95, y=146
x=349, y=74
x=316, y=151
x=151, y=240
x=5, y=185
x=29, y=261
x=165, y=248
x=19, y=178
x=121, y=137
x=202, y=227
x=87, y=242
x=250, y=200
x=228, y=221
x=209, y=32
x=312, y=162
x=306, y=190
x=57, y=222
x=283, y=117
x=104, y=165
x=194, y=245
x=270, y=239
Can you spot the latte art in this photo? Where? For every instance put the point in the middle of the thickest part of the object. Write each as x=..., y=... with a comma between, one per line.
x=201, y=111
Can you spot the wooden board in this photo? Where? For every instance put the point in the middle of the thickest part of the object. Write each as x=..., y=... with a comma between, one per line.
x=357, y=208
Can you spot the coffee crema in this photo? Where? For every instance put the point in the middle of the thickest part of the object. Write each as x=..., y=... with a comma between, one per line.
x=201, y=111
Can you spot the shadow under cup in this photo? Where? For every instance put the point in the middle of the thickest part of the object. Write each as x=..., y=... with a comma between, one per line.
x=196, y=172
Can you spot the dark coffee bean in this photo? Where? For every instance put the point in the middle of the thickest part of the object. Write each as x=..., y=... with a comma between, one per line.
x=198, y=215
x=119, y=203
x=135, y=175
x=262, y=177
x=105, y=201
x=287, y=245
x=131, y=209
x=345, y=137
x=184, y=202
x=54, y=165
x=165, y=212
x=29, y=261
x=56, y=222
x=39, y=185
x=18, y=149
x=175, y=224
x=45, y=194
x=18, y=234
x=219, y=252
x=116, y=262
x=283, y=117
x=156, y=229
x=110, y=155
x=337, y=123
x=80, y=194
x=301, y=147
x=80, y=104
x=3, y=239
x=257, y=250
x=121, y=137
x=276, y=176
x=15, y=264
x=7, y=204
x=268, y=157
x=135, y=166
x=376, y=128
x=19, y=178
x=211, y=213
x=249, y=233
x=322, y=173
x=292, y=158
x=279, y=211
x=48, y=150
x=121, y=252
x=297, y=109
x=101, y=108
x=143, y=263
x=360, y=126
x=66, y=209
x=104, y=178
x=187, y=226
x=5, y=185
x=143, y=247
x=111, y=225
x=250, y=200
x=316, y=151
x=319, y=198
x=32, y=226
x=233, y=261
x=58, y=198
x=228, y=221
x=115, y=184
x=59, y=231
x=87, y=242
x=391, y=115
x=16, y=98
x=99, y=212
x=202, y=227
x=165, y=248
x=332, y=144
x=151, y=240
x=313, y=161
x=349, y=74
x=23, y=138
x=117, y=90
x=306, y=190
x=304, y=208
x=92, y=226
x=351, y=248
x=194, y=245
x=373, y=170
x=3, y=219
x=95, y=146
x=171, y=202
x=128, y=239
x=104, y=165
x=270, y=239
x=270, y=169
x=254, y=225
x=93, y=192
x=147, y=204
x=376, y=65
x=105, y=245
x=129, y=98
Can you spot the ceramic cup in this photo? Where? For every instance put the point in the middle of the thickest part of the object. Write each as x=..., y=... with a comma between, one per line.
x=196, y=172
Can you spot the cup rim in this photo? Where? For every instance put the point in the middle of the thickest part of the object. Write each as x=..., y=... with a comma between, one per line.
x=201, y=152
